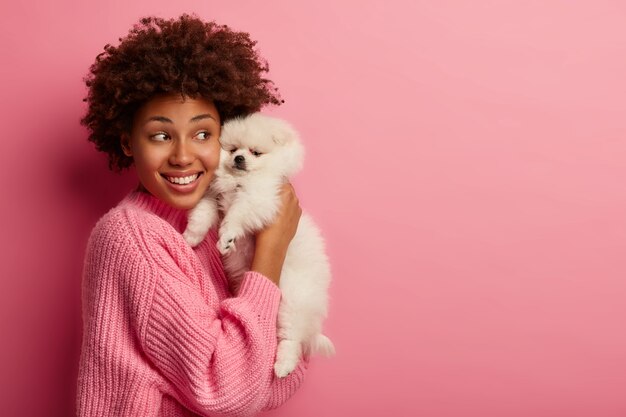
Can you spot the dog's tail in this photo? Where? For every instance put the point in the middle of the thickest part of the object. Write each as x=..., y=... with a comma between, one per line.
x=322, y=345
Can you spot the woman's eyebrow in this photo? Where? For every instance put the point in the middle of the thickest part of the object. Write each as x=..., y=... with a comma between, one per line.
x=200, y=117
x=192, y=120
x=159, y=119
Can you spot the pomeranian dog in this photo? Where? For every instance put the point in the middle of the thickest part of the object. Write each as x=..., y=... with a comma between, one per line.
x=259, y=153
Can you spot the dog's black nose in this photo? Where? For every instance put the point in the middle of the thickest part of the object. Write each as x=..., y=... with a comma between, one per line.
x=239, y=159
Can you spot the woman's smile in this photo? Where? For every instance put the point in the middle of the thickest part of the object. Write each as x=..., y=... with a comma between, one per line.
x=183, y=183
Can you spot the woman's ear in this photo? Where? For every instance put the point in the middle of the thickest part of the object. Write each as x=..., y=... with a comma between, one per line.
x=125, y=142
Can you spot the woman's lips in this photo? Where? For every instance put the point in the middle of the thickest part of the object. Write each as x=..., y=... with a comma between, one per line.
x=182, y=183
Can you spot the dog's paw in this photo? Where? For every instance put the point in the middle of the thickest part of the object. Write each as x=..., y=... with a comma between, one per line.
x=281, y=370
x=192, y=237
x=226, y=244
x=287, y=357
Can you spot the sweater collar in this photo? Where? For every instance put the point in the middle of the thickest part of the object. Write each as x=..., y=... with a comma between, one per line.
x=175, y=217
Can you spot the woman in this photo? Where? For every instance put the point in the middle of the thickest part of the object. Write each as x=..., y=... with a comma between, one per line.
x=162, y=334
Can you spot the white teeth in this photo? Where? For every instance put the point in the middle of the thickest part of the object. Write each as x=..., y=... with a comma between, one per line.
x=183, y=180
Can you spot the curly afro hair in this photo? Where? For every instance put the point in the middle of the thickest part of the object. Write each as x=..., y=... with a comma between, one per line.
x=184, y=56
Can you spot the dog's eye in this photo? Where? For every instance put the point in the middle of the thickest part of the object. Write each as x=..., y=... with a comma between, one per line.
x=233, y=150
x=255, y=153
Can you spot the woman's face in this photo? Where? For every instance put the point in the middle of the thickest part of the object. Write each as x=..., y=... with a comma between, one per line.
x=175, y=148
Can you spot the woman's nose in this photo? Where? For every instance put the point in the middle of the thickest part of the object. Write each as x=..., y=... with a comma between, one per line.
x=181, y=154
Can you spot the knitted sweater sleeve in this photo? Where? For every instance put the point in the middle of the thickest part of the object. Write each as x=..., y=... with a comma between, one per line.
x=215, y=357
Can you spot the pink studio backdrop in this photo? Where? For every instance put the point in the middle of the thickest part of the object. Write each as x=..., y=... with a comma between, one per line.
x=466, y=162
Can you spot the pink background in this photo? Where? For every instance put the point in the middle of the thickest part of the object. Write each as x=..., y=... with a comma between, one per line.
x=466, y=162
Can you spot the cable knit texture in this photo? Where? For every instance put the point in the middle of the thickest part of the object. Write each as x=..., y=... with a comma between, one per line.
x=162, y=335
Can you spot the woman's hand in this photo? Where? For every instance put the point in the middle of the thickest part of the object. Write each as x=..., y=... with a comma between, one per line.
x=273, y=241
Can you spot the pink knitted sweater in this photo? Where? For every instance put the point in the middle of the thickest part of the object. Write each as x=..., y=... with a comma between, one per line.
x=162, y=335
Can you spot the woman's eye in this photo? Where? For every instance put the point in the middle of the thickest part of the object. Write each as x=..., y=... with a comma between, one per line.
x=160, y=137
x=203, y=135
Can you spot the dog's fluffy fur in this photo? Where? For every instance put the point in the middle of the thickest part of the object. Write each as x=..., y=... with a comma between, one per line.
x=258, y=154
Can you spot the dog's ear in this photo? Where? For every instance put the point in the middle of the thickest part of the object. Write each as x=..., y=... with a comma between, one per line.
x=279, y=137
x=293, y=152
x=282, y=132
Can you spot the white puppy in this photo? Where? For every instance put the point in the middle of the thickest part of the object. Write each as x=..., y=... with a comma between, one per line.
x=258, y=154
